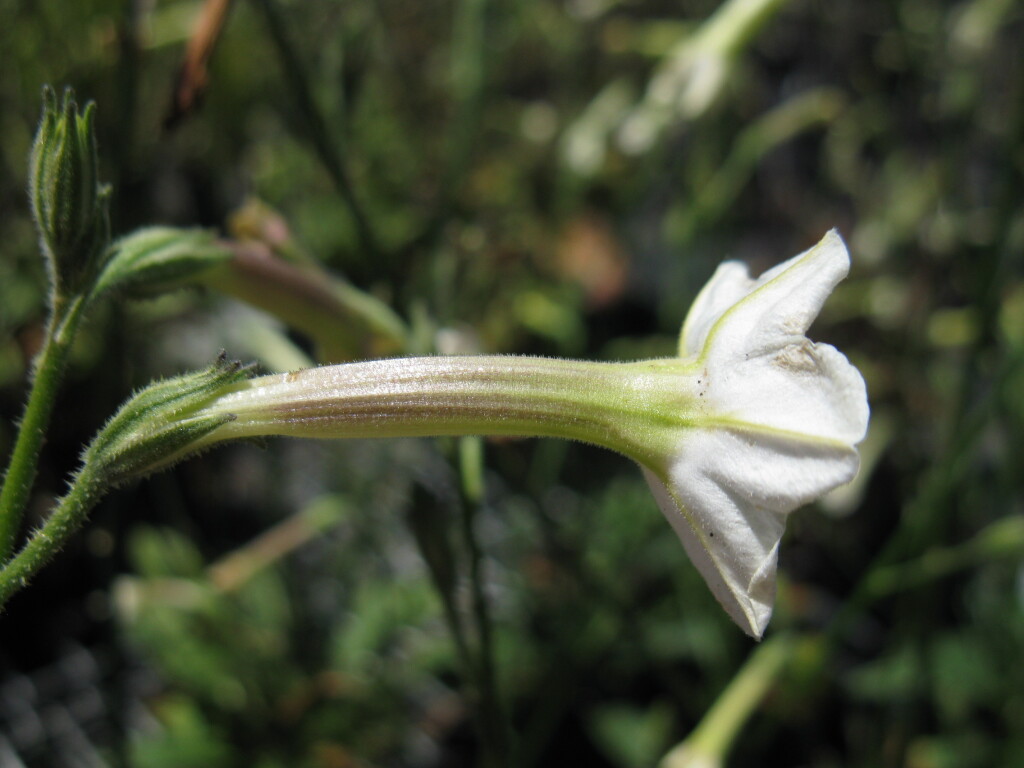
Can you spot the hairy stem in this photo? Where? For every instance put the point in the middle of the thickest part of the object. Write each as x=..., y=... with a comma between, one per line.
x=47, y=370
x=67, y=518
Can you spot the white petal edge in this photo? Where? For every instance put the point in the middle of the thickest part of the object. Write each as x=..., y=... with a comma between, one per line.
x=730, y=283
x=790, y=294
x=727, y=494
x=750, y=609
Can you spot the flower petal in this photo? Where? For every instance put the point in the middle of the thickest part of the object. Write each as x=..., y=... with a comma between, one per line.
x=759, y=368
x=730, y=283
x=727, y=494
x=803, y=388
x=789, y=297
x=738, y=567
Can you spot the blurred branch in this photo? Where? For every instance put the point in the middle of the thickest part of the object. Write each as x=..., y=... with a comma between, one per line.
x=430, y=529
x=236, y=568
x=471, y=487
x=128, y=75
x=1003, y=539
x=298, y=84
x=818, y=106
x=696, y=72
x=468, y=65
x=343, y=322
x=709, y=743
x=193, y=76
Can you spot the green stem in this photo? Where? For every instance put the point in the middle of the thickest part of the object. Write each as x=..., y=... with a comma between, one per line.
x=711, y=740
x=47, y=370
x=491, y=715
x=430, y=528
x=67, y=518
x=491, y=755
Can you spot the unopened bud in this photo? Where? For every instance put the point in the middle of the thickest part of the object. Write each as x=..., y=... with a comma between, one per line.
x=68, y=202
x=157, y=259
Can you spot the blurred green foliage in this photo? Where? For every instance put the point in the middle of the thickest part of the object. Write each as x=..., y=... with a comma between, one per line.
x=508, y=178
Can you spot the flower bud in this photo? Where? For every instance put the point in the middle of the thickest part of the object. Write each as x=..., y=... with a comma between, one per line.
x=68, y=202
x=157, y=259
x=160, y=425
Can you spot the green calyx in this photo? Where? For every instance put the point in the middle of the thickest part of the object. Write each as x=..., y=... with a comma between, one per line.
x=68, y=202
x=160, y=424
x=156, y=259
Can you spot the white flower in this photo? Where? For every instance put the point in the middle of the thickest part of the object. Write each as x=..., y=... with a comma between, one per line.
x=749, y=422
x=780, y=417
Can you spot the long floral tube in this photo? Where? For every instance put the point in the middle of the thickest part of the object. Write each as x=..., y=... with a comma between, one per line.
x=633, y=408
x=751, y=421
